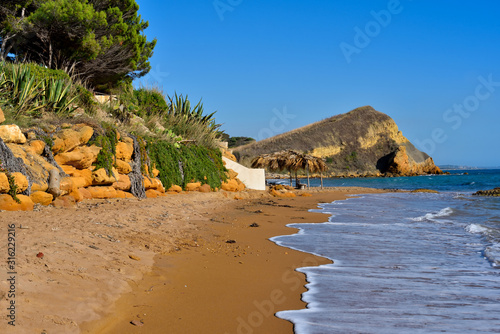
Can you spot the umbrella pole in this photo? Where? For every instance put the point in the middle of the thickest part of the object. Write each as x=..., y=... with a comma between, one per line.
x=321, y=174
x=308, y=184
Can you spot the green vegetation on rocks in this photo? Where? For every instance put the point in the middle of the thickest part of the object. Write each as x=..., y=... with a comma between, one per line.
x=186, y=164
x=107, y=155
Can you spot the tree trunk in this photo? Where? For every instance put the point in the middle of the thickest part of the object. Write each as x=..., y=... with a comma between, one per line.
x=51, y=52
x=308, y=184
x=321, y=175
x=290, y=177
x=296, y=180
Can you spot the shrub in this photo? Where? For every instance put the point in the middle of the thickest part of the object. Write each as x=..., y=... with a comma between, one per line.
x=150, y=102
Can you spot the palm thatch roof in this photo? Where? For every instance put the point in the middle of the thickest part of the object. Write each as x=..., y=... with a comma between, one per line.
x=291, y=161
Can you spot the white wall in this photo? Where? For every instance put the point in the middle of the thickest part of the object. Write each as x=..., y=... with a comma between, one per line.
x=252, y=178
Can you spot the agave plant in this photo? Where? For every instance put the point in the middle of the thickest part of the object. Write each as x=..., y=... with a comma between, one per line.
x=180, y=106
x=57, y=96
x=25, y=91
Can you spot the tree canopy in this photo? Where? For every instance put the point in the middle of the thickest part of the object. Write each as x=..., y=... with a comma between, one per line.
x=100, y=41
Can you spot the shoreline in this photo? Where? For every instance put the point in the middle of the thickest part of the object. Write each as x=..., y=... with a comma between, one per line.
x=220, y=287
x=187, y=263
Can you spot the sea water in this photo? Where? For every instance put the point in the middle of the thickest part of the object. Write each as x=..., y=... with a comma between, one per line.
x=404, y=262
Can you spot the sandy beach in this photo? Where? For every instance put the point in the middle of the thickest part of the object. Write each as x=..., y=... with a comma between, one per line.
x=187, y=263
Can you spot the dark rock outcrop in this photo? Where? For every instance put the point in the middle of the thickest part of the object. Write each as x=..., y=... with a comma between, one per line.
x=493, y=192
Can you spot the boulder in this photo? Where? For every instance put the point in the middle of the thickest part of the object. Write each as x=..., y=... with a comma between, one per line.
x=205, y=188
x=67, y=139
x=230, y=185
x=2, y=116
x=102, y=192
x=100, y=177
x=282, y=193
x=84, y=193
x=193, y=186
x=400, y=164
x=20, y=180
x=39, y=187
x=151, y=193
x=123, y=194
x=175, y=188
x=64, y=202
x=80, y=182
x=66, y=186
x=76, y=194
x=152, y=183
x=81, y=157
x=123, y=183
x=41, y=197
x=83, y=173
x=9, y=204
x=4, y=183
x=37, y=146
x=12, y=134
x=124, y=151
x=36, y=166
x=123, y=167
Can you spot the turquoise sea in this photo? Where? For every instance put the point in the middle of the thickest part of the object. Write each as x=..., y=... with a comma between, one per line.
x=404, y=262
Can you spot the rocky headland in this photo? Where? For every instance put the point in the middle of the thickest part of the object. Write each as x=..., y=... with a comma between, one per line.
x=362, y=142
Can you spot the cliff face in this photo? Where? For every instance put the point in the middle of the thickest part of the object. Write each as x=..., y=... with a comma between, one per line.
x=361, y=142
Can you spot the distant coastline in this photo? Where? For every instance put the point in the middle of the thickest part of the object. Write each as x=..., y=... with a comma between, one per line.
x=457, y=167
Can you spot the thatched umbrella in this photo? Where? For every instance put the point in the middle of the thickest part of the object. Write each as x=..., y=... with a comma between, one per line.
x=291, y=161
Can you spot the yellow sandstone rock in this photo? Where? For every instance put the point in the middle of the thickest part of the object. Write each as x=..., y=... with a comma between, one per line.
x=123, y=183
x=175, y=188
x=205, y=188
x=67, y=139
x=152, y=193
x=12, y=134
x=193, y=186
x=124, y=151
x=38, y=146
x=100, y=177
x=2, y=116
x=81, y=157
x=230, y=185
x=84, y=193
x=123, y=194
x=123, y=167
x=39, y=187
x=9, y=204
x=102, y=192
x=41, y=197
x=20, y=180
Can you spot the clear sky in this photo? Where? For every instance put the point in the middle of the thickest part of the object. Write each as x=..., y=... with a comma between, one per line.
x=270, y=66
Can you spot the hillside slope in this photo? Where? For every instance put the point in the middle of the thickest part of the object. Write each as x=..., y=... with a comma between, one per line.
x=361, y=142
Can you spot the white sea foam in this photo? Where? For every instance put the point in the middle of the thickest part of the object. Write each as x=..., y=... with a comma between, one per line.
x=476, y=229
x=432, y=216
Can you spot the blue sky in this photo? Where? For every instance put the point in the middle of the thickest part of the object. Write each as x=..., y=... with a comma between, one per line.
x=268, y=67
